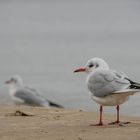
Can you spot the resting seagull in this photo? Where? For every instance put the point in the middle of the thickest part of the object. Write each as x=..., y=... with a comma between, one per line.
x=107, y=87
x=26, y=95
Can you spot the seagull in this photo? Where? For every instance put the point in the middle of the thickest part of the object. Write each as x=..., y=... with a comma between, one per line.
x=107, y=87
x=25, y=95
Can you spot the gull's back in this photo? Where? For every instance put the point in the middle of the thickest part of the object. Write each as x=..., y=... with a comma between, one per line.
x=30, y=97
x=104, y=82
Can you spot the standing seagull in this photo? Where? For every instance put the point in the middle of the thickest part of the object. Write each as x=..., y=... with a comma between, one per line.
x=107, y=87
x=26, y=95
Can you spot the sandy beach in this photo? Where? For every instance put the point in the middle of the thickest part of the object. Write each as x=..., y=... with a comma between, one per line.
x=62, y=124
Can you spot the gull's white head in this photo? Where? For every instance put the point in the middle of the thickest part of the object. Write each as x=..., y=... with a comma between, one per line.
x=15, y=81
x=93, y=64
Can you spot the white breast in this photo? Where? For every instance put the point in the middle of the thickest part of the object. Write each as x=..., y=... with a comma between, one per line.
x=12, y=91
x=111, y=100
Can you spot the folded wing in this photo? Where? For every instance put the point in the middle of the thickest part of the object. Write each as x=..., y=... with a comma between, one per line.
x=30, y=97
x=106, y=82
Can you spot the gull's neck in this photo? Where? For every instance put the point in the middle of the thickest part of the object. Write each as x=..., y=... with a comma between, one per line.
x=14, y=87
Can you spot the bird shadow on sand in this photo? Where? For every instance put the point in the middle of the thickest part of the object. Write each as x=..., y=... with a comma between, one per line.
x=131, y=124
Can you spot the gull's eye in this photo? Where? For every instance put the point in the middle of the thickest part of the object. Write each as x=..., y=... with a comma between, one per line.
x=13, y=80
x=91, y=65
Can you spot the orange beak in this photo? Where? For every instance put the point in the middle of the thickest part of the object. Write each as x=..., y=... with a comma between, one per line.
x=80, y=70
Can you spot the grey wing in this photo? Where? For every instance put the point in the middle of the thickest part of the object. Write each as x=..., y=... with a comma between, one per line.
x=45, y=101
x=106, y=82
x=36, y=92
x=30, y=98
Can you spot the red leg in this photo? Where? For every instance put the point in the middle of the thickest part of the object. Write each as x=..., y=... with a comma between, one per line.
x=101, y=114
x=118, y=117
x=118, y=114
x=100, y=122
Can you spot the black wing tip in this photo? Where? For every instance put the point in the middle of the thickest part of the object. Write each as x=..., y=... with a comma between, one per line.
x=55, y=105
x=134, y=85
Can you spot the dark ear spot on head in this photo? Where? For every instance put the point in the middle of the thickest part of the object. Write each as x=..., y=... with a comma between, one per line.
x=97, y=65
x=14, y=80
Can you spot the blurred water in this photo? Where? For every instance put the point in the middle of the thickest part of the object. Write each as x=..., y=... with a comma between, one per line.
x=45, y=40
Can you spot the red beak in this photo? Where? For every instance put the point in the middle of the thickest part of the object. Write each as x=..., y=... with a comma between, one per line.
x=80, y=70
x=7, y=82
